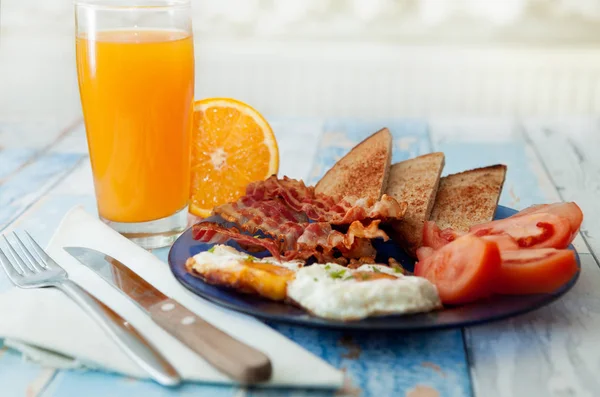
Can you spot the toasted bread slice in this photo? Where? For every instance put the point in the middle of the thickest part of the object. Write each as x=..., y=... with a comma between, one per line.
x=363, y=172
x=468, y=198
x=415, y=181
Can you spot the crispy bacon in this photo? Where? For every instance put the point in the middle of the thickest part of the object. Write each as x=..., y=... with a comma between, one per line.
x=323, y=208
x=215, y=233
x=321, y=235
x=318, y=240
x=272, y=217
x=281, y=210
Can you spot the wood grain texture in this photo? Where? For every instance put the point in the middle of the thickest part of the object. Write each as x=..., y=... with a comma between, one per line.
x=552, y=351
x=32, y=182
x=29, y=172
x=569, y=149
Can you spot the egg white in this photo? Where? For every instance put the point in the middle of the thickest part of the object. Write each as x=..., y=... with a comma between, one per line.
x=331, y=292
x=223, y=256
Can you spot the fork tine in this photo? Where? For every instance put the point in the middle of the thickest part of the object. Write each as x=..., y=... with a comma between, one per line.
x=8, y=267
x=40, y=253
x=32, y=261
x=17, y=258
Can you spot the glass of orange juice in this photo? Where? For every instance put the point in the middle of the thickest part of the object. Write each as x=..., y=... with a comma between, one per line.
x=135, y=65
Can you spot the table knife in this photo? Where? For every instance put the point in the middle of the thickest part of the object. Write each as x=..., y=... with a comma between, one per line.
x=232, y=357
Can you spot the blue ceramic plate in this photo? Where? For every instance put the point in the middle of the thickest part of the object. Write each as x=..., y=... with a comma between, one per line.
x=491, y=309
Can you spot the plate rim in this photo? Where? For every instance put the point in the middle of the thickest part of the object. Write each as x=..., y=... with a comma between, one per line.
x=308, y=320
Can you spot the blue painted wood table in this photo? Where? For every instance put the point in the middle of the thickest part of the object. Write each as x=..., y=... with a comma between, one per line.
x=550, y=352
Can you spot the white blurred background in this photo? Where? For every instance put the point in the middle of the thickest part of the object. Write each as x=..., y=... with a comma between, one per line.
x=364, y=58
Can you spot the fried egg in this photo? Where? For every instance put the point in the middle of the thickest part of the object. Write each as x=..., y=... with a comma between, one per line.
x=338, y=293
x=225, y=266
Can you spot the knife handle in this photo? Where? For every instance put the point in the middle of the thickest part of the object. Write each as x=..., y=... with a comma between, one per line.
x=236, y=359
x=125, y=335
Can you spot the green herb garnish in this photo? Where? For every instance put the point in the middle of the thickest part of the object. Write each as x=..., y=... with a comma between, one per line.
x=212, y=249
x=376, y=270
x=327, y=267
x=250, y=258
x=365, y=276
x=398, y=270
x=316, y=279
x=337, y=273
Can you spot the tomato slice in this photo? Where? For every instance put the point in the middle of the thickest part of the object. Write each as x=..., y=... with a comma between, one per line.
x=504, y=241
x=435, y=238
x=535, y=271
x=569, y=211
x=534, y=230
x=424, y=252
x=463, y=270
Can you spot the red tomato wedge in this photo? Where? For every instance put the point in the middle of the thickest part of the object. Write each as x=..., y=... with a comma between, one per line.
x=504, y=241
x=534, y=230
x=569, y=211
x=535, y=271
x=463, y=270
x=424, y=252
x=435, y=238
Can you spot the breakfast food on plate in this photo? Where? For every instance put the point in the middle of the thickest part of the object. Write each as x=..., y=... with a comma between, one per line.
x=415, y=181
x=543, y=226
x=295, y=222
x=535, y=271
x=226, y=266
x=468, y=198
x=532, y=256
x=363, y=172
x=232, y=145
x=322, y=240
x=463, y=271
x=325, y=290
x=338, y=293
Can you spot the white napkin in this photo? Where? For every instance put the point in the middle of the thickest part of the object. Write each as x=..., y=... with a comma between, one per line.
x=48, y=319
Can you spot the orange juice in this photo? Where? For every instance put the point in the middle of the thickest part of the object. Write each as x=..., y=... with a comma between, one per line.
x=137, y=91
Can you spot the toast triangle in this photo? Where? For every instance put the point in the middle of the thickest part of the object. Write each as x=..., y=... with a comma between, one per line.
x=363, y=172
x=415, y=181
x=468, y=198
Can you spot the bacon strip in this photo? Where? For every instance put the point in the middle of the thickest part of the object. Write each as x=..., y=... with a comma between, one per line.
x=318, y=240
x=323, y=208
x=272, y=217
x=281, y=210
x=215, y=233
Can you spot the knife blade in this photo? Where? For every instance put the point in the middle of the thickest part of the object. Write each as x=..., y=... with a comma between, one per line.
x=231, y=356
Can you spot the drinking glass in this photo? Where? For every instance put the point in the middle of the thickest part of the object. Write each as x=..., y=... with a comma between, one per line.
x=135, y=66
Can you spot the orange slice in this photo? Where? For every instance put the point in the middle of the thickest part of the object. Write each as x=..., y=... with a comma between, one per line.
x=232, y=146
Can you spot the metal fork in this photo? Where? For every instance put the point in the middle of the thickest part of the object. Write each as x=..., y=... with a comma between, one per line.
x=33, y=268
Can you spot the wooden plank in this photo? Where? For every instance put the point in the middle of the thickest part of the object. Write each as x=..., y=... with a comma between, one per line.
x=569, y=151
x=550, y=351
x=13, y=160
x=29, y=172
x=32, y=182
x=22, y=144
x=434, y=361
